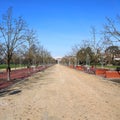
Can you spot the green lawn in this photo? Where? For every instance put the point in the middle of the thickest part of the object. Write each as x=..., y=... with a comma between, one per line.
x=4, y=66
x=109, y=67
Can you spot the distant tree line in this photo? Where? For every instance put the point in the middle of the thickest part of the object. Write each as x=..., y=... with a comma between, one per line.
x=19, y=44
x=104, y=50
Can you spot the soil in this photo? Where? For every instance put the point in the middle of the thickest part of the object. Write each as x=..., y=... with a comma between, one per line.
x=61, y=93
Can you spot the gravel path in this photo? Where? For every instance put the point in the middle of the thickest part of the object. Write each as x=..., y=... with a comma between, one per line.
x=61, y=93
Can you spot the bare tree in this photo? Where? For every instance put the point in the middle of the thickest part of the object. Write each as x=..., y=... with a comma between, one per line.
x=30, y=37
x=112, y=29
x=94, y=42
x=1, y=53
x=12, y=33
x=95, y=45
x=74, y=50
x=65, y=60
x=1, y=50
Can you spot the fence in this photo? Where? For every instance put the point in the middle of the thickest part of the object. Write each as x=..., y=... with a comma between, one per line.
x=101, y=72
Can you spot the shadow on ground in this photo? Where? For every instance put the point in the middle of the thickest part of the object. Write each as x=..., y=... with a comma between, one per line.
x=115, y=80
x=4, y=92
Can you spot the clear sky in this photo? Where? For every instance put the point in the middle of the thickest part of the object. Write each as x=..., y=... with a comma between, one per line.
x=60, y=24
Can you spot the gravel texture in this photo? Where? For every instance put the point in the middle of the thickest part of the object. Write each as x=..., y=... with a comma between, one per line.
x=61, y=93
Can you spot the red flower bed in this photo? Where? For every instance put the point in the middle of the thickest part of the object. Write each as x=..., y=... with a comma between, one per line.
x=112, y=74
x=18, y=74
x=79, y=68
x=101, y=72
x=5, y=84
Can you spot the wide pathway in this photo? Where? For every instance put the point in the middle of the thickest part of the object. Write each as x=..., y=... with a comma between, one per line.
x=62, y=93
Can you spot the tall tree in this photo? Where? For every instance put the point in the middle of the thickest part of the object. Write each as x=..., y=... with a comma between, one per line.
x=1, y=53
x=112, y=29
x=12, y=32
x=95, y=45
x=111, y=52
x=1, y=50
x=30, y=37
x=83, y=53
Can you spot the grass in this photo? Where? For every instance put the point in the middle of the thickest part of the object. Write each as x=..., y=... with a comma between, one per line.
x=109, y=67
x=4, y=66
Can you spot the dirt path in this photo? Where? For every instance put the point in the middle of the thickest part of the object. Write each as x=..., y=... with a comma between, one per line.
x=61, y=93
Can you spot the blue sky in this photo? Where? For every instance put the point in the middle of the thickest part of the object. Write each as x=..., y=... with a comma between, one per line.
x=60, y=24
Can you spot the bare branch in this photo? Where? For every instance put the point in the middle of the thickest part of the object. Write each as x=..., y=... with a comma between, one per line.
x=111, y=29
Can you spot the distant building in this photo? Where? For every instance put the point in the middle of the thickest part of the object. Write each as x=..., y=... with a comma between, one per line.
x=58, y=60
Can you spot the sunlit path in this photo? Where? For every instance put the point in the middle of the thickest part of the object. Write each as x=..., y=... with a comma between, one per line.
x=61, y=93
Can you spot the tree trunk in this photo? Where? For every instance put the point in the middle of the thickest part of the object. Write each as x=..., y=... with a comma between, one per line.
x=8, y=71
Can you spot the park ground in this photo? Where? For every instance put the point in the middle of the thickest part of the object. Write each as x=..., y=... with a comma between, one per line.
x=61, y=93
